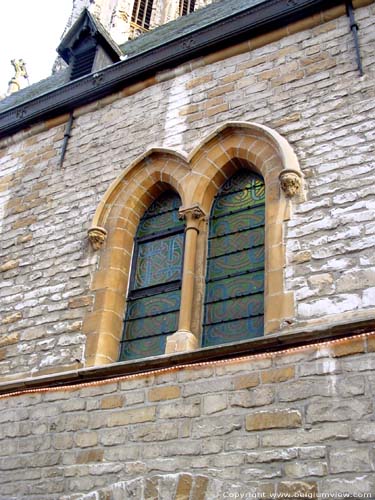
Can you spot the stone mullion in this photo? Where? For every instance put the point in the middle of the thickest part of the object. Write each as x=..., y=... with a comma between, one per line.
x=184, y=339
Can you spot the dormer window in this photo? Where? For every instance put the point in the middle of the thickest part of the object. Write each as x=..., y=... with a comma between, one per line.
x=87, y=47
x=186, y=6
x=141, y=15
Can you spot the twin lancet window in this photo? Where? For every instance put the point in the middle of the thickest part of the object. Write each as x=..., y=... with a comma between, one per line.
x=234, y=304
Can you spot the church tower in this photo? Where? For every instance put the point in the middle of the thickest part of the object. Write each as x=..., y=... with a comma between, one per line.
x=126, y=19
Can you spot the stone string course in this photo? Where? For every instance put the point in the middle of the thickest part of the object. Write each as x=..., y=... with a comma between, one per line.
x=299, y=423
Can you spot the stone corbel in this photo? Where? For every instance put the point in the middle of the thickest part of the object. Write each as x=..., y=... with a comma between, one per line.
x=291, y=182
x=97, y=237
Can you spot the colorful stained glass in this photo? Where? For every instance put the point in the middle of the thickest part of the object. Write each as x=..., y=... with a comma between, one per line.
x=147, y=326
x=236, y=286
x=234, y=304
x=142, y=348
x=233, y=331
x=154, y=293
x=151, y=306
x=237, y=308
x=244, y=239
x=249, y=259
x=159, y=261
x=237, y=221
x=239, y=200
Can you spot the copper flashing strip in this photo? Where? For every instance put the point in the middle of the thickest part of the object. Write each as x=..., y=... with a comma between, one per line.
x=104, y=375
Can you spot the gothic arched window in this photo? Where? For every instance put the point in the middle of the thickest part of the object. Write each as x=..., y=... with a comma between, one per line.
x=155, y=286
x=186, y=6
x=234, y=302
x=142, y=11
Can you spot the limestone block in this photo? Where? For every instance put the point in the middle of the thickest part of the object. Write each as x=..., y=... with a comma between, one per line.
x=163, y=393
x=349, y=459
x=271, y=455
x=354, y=486
x=215, y=426
x=305, y=469
x=214, y=403
x=257, y=397
x=273, y=420
x=364, y=432
x=336, y=410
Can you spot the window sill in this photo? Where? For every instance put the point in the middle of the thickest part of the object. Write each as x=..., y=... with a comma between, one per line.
x=276, y=343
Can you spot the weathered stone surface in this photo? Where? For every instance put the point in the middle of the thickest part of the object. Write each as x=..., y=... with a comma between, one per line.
x=218, y=426
x=348, y=459
x=161, y=393
x=293, y=489
x=11, y=318
x=191, y=431
x=277, y=375
x=246, y=381
x=356, y=486
x=364, y=432
x=271, y=455
x=214, y=403
x=131, y=416
x=306, y=469
x=273, y=420
x=335, y=410
x=7, y=266
x=258, y=397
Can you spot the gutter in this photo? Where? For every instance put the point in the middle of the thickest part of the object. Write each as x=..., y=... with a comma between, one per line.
x=231, y=30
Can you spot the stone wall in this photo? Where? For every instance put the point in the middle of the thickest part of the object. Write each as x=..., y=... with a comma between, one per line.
x=302, y=82
x=297, y=423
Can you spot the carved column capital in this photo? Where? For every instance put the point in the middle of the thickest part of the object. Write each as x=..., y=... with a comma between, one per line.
x=192, y=214
x=97, y=236
x=291, y=182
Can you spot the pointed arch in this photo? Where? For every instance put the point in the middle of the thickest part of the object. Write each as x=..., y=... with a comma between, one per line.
x=196, y=179
x=244, y=145
x=119, y=212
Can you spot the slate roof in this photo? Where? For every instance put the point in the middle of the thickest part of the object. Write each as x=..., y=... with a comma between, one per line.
x=36, y=89
x=211, y=14
x=184, y=25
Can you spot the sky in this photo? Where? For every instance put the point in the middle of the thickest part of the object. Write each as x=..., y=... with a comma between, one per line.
x=30, y=30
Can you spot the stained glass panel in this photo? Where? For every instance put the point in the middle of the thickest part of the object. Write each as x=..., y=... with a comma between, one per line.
x=159, y=261
x=233, y=331
x=239, y=200
x=236, y=286
x=234, y=304
x=147, y=326
x=237, y=221
x=237, y=308
x=154, y=293
x=151, y=306
x=158, y=223
x=244, y=239
x=152, y=346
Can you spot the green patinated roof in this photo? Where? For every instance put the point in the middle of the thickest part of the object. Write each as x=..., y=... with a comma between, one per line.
x=184, y=25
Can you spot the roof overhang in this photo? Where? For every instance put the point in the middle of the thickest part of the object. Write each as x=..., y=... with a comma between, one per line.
x=241, y=26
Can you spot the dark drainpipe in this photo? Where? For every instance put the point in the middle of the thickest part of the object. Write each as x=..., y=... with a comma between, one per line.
x=66, y=139
x=354, y=29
